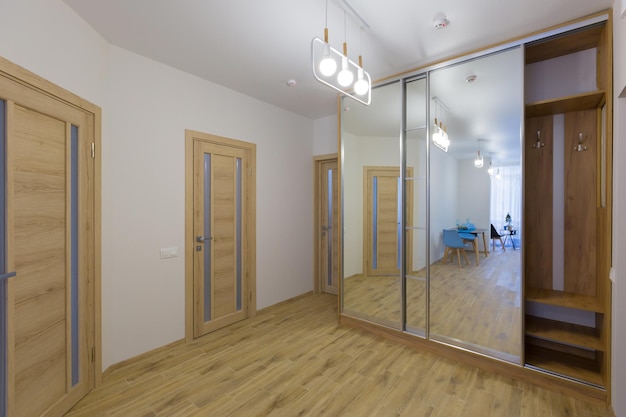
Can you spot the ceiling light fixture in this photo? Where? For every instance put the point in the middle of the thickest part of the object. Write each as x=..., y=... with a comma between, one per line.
x=324, y=60
x=440, y=135
x=478, y=161
x=490, y=169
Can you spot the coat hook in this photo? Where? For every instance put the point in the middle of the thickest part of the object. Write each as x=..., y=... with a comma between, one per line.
x=580, y=146
x=539, y=143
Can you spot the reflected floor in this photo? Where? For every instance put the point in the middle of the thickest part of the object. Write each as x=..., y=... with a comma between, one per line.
x=477, y=307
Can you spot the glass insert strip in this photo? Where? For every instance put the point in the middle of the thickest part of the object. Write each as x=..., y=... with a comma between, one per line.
x=74, y=253
x=329, y=230
x=3, y=283
x=207, y=234
x=375, y=223
x=238, y=232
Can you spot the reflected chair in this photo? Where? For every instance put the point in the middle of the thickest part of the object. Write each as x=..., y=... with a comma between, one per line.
x=452, y=240
x=471, y=238
x=496, y=236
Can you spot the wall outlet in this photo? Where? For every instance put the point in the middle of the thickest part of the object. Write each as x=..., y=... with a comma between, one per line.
x=169, y=252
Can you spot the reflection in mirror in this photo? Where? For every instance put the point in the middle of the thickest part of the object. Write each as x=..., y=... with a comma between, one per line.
x=415, y=151
x=371, y=209
x=475, y=291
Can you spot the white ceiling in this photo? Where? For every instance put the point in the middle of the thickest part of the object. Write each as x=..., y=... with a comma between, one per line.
x=255, y=46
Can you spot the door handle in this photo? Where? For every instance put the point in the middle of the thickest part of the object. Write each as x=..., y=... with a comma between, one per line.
x=7, y=275
x=202, y=239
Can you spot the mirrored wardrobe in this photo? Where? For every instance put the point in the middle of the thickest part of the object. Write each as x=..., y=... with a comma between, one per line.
x=446, y=226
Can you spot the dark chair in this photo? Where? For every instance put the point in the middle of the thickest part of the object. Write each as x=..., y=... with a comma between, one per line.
x=496, y=236
x=452, y=240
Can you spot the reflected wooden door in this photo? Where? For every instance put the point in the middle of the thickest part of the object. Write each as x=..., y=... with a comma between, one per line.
x=329, y=213
x=383, y=221
x=48, y=338
x=221, y=198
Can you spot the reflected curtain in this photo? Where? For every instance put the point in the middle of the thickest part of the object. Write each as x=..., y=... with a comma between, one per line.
x=506, y=196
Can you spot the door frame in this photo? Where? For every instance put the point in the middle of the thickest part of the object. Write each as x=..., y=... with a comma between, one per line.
x=250, y=235
x=39, y=85
x=317, y=198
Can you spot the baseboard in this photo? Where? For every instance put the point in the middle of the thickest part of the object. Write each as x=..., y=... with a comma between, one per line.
x=289, y=300
x=139, y=357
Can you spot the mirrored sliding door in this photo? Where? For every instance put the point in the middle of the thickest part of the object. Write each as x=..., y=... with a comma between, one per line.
x=372, y=207
x=475, y=291
x=425, y=160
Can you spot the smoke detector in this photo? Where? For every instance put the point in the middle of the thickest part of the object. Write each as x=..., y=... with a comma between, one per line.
x=440, y=21
x=291, y=83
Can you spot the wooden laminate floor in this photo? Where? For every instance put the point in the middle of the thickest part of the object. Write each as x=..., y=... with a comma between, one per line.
x=293, y=359
x=475, y=306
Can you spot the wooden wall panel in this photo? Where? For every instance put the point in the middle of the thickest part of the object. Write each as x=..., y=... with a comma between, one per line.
x=580, y=202
x=538, y=203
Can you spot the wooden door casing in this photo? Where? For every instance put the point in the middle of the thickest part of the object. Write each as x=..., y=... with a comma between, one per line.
x=220, y=188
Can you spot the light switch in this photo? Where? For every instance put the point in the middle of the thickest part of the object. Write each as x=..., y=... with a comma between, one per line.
x=169, y=252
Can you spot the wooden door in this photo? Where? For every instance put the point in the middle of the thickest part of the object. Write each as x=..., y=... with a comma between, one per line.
x=383, y=222
x=329, y=240
x=220, y=228
x=49, y=208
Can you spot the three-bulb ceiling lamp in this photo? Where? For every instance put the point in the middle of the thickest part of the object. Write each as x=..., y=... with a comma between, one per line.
x=324, y=59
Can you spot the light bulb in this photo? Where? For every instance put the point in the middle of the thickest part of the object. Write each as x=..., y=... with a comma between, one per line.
x=444, y=140
x=328, y=65
x=345, y=76
x=490, y=169
x=478, y=162
x=361, y=86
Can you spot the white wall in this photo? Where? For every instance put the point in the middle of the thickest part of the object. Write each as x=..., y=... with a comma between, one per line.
x=618, y=361
x=474, y=193
x=153, y=105
x=325, y=136
x=146, y=107
x=444, y=185
x=47, y=37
